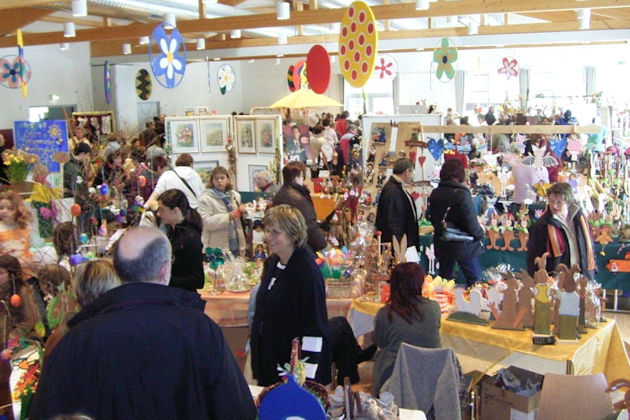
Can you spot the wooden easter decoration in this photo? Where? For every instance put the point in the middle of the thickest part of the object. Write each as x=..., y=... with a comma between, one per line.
x=569, y=303
x=525, y=296
x=508, y=234
x=400, y=249
x=493, y=232
x=508, y=318
x=542, y=296
x=523, y=234
x=468, y=310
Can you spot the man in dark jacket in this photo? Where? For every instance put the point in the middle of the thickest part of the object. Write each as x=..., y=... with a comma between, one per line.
x=143, y=350
x=563, y=231
x=396, y=213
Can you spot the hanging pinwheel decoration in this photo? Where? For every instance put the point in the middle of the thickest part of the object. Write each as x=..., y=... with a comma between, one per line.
x=386, y=67
x=169, y=65
x=10, y=71
x=226, y=78
x=445, y=55
x=509, y=67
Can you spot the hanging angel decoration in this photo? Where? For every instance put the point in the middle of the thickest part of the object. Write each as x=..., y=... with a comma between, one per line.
x=541, y=160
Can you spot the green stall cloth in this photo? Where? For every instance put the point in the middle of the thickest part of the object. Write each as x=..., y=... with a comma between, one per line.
x=517, y=260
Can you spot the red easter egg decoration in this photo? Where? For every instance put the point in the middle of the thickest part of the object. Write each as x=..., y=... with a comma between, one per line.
x=75, y=210
x=142, y=180
x=15, y=300
x=5, y=354
x=318, y=69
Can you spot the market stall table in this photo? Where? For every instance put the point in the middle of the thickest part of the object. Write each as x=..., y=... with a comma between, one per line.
x=485, y=349
x=229, y=309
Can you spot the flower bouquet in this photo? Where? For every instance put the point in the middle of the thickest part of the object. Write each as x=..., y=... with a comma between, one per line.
x=18, y=165
x=336, y=267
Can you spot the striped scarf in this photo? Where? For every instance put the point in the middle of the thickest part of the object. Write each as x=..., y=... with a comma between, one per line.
x=557, y=245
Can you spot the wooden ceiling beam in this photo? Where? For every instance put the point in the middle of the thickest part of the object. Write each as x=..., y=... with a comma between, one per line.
x=319, y=16
x=17, y=18
x=77, y=21
x=10, y=4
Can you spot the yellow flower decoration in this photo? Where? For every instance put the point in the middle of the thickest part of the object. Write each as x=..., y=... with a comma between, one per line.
x=445, y=56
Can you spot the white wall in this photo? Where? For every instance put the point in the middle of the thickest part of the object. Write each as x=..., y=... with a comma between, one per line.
x=63, y=73
x=70, y=75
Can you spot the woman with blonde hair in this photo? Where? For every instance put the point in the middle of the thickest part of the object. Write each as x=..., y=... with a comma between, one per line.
x=291, y=302
x=221, y=210
x=91, y=280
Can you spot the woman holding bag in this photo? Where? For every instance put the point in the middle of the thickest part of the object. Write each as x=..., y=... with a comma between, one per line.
x=221, y=209
x=454, y=197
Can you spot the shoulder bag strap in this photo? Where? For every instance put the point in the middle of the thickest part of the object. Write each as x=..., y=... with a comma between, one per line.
x=185, y=183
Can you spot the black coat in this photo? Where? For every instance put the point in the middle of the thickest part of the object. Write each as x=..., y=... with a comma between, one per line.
x=293, y=305
x=463, y=216
x=298, y=197
x=187, y=268
x=143, y=351
x=538, y=244
x=395, y=214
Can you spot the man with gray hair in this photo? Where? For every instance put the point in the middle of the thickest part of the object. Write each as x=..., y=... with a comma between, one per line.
x=143, y=350
x=264, y=182
x=396, y=214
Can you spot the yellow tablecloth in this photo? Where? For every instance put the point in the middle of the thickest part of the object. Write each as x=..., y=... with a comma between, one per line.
x=482, y=348
x=230, y=309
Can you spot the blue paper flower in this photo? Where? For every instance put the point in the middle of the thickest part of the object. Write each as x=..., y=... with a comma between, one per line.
x=168, y=64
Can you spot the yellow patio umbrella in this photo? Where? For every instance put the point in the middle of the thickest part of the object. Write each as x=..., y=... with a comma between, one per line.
x=305, y=98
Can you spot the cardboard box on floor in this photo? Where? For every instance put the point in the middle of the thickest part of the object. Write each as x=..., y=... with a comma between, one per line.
x=499, y=404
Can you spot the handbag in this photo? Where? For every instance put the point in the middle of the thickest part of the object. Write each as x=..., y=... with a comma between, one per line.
x=450, y=233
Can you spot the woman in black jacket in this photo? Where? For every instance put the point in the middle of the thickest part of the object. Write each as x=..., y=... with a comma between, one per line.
x=295, y=194
x=290, y=303
x=451, y=192
x=184, y=232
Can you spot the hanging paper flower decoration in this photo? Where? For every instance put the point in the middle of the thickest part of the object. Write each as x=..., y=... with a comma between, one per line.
x=10, y=71
x=22, y=63
x=386, y=67
x=169, y=65
x=107, y=81
x=226, y=78
x=509, y=67
x=445, y=56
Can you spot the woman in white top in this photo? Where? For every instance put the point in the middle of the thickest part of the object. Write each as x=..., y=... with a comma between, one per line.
x=182, y=177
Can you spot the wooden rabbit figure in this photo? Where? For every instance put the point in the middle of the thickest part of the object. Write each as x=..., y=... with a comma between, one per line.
x=523, y=234
x=542, y=295
x=509, y=318
x=508, y=234
x=525, y=296
x=400, y=249
x=569, y=307
x=493, y=232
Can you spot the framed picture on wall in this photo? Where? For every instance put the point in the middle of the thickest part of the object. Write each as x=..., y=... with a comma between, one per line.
x=202, y=110
x=213, y=133
x=204, y=168
x=245, y=136
x=183, y=134
x=252, y=171
x=265, y=136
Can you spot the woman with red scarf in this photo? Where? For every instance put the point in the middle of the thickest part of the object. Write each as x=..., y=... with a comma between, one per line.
x=562, y=231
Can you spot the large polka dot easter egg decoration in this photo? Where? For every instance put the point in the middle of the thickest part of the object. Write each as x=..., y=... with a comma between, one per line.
x=358, y=43
x=318, y=69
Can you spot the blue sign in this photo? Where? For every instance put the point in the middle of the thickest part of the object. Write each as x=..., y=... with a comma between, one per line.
x=44, y=138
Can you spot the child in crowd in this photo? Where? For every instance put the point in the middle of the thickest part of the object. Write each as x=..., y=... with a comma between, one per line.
x=15, y=230
x=259, y=253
